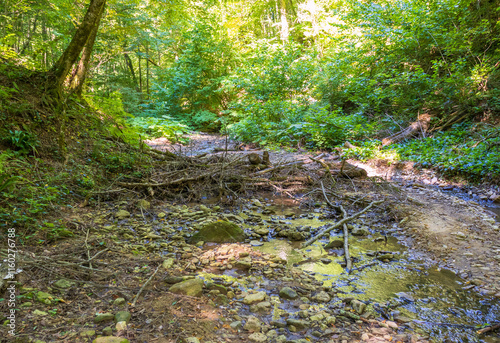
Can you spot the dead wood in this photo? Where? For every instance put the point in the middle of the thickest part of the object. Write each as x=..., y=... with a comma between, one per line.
x=340, y=223
x=414, y=129
x=488, y=329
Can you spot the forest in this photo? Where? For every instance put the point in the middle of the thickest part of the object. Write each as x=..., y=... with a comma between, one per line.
x=364, y=134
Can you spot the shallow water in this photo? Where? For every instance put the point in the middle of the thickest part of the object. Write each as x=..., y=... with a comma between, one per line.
x=430, y=299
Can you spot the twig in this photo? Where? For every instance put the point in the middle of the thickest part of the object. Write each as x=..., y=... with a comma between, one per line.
x=87, y=247
x=340, y=223
x=144, y=286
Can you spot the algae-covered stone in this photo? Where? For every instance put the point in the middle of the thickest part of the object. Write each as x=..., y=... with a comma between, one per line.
x=358, y=306
x=192, y=287
x=298, y=324
x=253, y=324
x=44, y=298
x=143, y=204
x=219, y=232
x=110, y=339
x=87, y=333
x=40, y=313
x=257, y=337
x=107, y=331
x=104, y=317
x=288, y=293
x=168, y=263
x=254, y=298
x=64, y=284
x=119, y=301
x=336, y=243
x=122, y=214
x=122, y=316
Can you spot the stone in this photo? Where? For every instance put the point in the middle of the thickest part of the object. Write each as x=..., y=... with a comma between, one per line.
x=288, y=293
x=122, y=214
x=360, y=231
x=263, y=306
x=107, y=331
x=192, y=287
x=298, y=324
x=44, y=298
x=121, y=326
x=219, y=232
x=236, y=325
x=168, y=263
x=104, y=317
x=110, y=339
x=243, y=264
x=257, y=203
x=322, y=297
x=122, y=316
x=358, y=306
x=119, y=301
x=336, y=243
x=143, y=204
x=261, y=231
x=258, y=337
x=253, y=324
x=40, y=313
x=64, y=284
x=385, y=257
x=87, y=333
x=254, y=298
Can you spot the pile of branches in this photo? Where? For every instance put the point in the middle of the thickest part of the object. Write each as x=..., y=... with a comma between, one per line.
x=229, y=175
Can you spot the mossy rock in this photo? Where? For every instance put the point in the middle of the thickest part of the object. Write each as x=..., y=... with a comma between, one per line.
x=219, y=232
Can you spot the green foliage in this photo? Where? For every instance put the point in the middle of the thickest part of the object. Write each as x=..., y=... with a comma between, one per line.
x=164, y=126
x=22, y=142
x=464, y=150
x=192, y=86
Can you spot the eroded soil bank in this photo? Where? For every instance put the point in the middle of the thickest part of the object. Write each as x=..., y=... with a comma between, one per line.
x=425, y=265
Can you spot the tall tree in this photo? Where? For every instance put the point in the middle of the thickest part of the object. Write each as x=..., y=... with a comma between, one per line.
x=62, y=67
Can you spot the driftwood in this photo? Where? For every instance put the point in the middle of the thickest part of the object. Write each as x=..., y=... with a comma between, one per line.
x=340, y=223
x=415, y=128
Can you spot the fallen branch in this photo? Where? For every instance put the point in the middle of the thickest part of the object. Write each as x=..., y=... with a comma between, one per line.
x=488, y=328
x=346, y=243
x=144, y=286
x=277, y=168
x=346, y=231
x=169, y=183
x=340, y=223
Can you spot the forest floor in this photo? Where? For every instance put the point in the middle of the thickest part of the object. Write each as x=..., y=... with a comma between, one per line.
x=127, y=272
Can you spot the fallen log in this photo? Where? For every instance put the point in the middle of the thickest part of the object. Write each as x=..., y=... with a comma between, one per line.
x=415, y=128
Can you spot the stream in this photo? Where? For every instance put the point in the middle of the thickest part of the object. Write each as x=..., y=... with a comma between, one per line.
x=405, y=287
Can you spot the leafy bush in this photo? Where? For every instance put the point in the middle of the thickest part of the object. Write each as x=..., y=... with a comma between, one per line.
x=159, y=127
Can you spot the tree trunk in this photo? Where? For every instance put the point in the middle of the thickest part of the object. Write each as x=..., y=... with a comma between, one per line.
x=80, y=73
x=128, y=62
x=63, y=66
x=285, y=31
